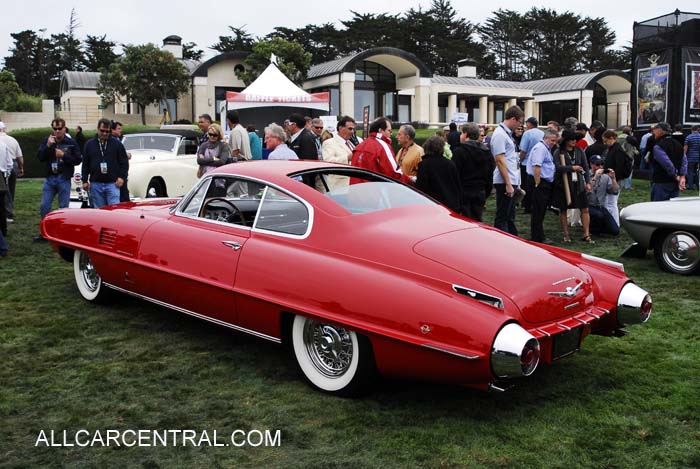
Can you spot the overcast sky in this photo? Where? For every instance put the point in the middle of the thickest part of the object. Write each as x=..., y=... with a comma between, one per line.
x=142, y=21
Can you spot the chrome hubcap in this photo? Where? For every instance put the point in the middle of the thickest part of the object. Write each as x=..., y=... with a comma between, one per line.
x=681, y=251
x=328, y=347
x=89, y=275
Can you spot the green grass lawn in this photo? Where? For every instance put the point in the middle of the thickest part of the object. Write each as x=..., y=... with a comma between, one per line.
x=69, y=365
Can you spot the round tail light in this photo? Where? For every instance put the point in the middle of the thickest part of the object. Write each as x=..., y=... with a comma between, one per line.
x=633, y=305
x=515, y=352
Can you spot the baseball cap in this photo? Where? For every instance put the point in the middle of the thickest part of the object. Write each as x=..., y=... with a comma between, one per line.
x=581, y=126
x=663, y=126
x=596, y=159
x=2, y=125
x=532, y=121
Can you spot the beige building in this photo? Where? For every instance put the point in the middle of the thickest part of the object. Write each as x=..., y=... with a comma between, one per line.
x=392, y=82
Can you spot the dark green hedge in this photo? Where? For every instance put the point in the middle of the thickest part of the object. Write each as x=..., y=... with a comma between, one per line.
x=30, y=140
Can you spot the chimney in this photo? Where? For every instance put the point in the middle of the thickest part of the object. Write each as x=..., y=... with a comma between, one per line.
x=466, y=68
x=173, y=44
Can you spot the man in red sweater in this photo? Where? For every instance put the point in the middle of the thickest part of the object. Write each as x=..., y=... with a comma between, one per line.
x=375, y=152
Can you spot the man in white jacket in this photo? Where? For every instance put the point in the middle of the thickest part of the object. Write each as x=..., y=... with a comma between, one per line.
x=339, y=150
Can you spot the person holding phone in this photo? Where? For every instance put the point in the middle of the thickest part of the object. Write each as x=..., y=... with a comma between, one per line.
x=60, y=153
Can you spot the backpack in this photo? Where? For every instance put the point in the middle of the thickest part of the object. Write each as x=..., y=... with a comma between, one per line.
x=631, y=153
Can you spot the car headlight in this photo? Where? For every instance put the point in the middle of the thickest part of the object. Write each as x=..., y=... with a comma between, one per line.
x=515, y=352
x=633, y=305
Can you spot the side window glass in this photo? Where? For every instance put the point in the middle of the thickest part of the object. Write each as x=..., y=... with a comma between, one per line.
x=193, y=205
x=282, y=213
x=227, y=199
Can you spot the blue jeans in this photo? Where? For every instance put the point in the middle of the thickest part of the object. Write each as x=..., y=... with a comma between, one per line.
x=505, y=210
x=55, y=184
x=664, y=191
x=3, y=245
x=103, y=193
x=691, y=179
x=602, y=221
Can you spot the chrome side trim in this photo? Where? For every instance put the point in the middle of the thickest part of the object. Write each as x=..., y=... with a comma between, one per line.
x=572, y=305
x=609, y=263
x=485, y=298
x=197, y=315
x=449, y=352
x=559, y=282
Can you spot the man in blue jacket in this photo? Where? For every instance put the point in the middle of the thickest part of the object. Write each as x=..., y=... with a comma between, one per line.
x=60, y=154
x=105, y=166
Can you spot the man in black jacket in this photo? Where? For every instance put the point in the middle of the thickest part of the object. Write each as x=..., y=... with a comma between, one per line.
x=670, y=164
x=302, y=141
x=105, y=166
x=60, y=154
x=475, y=167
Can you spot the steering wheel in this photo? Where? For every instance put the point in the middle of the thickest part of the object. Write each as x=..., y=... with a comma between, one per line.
x=233, y=212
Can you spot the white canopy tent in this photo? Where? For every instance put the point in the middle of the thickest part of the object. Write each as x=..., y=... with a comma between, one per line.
x=273, y=88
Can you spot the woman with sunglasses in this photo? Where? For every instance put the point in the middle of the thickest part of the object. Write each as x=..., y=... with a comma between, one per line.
x=214, y=152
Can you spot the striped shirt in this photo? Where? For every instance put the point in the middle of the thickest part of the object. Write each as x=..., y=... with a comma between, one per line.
x=693, y=143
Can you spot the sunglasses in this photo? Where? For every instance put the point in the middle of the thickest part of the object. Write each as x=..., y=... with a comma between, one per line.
x=318, y=127
x=105, y=131
x=56, y=129
x=351, y=129
x=213, y=135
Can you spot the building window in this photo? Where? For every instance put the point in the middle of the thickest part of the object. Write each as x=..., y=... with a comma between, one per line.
x=375, y=86
x=404, y=108
x=558, y=110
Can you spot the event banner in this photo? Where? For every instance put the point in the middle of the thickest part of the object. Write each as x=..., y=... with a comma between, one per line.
x=652, y=87
x=691, y=87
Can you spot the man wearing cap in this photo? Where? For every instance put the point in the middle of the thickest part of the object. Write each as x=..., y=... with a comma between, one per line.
x=603, y=184
x=15, y=153
x=530, y=137
x=669, y=163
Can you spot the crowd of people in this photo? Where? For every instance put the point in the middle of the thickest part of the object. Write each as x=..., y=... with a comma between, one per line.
x=572, y=169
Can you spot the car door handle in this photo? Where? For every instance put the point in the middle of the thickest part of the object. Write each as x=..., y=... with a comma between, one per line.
x=232, y=244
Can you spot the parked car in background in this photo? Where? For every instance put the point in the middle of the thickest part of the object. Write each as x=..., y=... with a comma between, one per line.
x=163, y=163
x=670, y=228
x=372, y=276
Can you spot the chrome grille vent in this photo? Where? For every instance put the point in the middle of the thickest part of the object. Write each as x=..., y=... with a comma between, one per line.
x=108, y=237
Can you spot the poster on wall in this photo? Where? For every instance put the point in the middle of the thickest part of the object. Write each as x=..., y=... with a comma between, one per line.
x=652, y=94
x=691, y=101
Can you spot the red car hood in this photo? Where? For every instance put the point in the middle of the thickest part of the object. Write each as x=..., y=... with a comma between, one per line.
x=543, y=286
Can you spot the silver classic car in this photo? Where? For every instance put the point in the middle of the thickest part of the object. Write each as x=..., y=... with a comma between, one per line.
x=671, y=229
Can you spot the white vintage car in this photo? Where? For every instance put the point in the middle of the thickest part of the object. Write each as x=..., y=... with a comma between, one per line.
x=163, y=164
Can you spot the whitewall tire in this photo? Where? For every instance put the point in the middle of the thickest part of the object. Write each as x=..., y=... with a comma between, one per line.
x=87, y=279
x=333, y=359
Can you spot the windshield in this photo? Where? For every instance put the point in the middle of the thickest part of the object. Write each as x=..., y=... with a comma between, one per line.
x=150, y=142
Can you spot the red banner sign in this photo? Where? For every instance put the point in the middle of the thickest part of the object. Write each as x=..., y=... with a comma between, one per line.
x=234, y=97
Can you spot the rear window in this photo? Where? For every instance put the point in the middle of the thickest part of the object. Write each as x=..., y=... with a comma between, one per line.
x=362, y=192
x=149, y=142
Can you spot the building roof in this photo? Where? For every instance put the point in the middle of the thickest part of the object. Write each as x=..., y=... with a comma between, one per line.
x=80, y=80
x=347, y=63
x=202, y=69
x=585, y=81
x=478, y=82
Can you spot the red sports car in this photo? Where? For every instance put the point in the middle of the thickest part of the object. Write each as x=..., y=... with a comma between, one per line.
x=358, y=273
